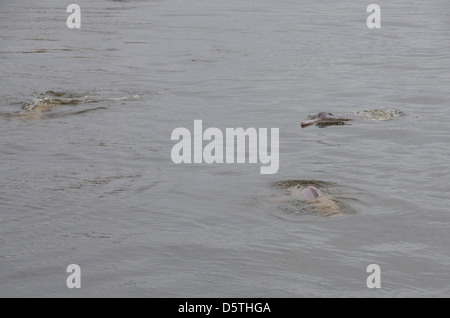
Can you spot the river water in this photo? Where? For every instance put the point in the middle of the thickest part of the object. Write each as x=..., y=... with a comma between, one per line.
x=87, y=178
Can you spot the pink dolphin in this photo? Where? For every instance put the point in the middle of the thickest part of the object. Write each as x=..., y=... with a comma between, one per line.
x=310, y=193
x=329, y=118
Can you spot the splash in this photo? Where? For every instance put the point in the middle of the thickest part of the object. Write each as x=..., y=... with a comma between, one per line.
x=47, y=104
x=51, y=100
x=380, y=114
x=127, y=98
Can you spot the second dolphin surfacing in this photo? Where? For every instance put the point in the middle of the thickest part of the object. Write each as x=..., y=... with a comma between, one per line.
x=325, y=119
x=308, y=197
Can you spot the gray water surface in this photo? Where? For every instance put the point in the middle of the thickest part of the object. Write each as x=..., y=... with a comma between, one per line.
x=90, y=180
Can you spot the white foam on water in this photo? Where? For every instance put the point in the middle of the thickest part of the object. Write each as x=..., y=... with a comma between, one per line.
x=380, y=114
x=127, y=98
